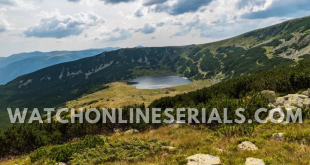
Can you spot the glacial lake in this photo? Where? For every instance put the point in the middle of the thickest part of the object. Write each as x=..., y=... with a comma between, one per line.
x=157, y=82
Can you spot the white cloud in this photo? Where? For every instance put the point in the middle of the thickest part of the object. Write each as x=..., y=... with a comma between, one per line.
x=116, y=34
x=4, y=25
x=172, y=22
x=177, y=7
x=274, y=8
x=140, y=12
x=148, y=28
x=55, y=25
x=17, y=4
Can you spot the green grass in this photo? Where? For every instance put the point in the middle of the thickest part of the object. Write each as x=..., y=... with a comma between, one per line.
x=120, y=94
x=141, y=148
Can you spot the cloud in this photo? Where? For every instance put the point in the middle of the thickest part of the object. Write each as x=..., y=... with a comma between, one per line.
x=148, y=28
x=153, y=2
x=4, y=25
x=55, y=25
x=139, y=12
x=117, y=1
x=17, y=4
x=8, y=2
x=74, y=0
x=117, y=34
x=274, y=8
x=177, y=7
x=187, y=27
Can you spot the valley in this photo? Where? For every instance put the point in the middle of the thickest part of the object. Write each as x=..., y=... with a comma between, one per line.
x=246, y=54
x=232, y=73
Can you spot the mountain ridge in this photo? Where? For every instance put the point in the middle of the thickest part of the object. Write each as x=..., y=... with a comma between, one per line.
x=245, y=54
x=25, y=63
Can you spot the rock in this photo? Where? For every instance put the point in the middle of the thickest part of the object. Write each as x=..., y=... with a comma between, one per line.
x=61, y=163
x=271, y=105
x=132, y=131
x=254, y=161
x=169, y=148
x=115, y=130
x=277, y=136
x=167, y=92
x=303, y=96
x=246, y=145
x=307, y=103
x=270, y=95
x=306, y=93
x=292, y=101
x=203, y=159
x=280, y=101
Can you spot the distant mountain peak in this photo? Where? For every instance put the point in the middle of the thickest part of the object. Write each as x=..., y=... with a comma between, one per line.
x=139, y=46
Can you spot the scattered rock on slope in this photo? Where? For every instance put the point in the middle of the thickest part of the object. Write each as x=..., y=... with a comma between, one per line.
x=203, y=159
x=254, y=161
x=247, y=145
x=170, y=148
x=277, y=136
x=292, y=101
x=306, y=93
x=132, y=131
x=270, y=95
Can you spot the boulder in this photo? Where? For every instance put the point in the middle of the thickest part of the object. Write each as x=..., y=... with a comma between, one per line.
x=203, y=159
x=280, y=101
x=270, y=95
x=132, y=131
x=254, y=161
x=292, y=101
x=247, y=145
x=306, y=93
x=277, y=136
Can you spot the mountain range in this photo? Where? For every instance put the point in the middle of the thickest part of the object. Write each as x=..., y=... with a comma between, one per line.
x=272, y=47
x=19, y=64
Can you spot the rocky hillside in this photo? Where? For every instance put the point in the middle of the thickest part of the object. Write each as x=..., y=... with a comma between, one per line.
x=279, y=45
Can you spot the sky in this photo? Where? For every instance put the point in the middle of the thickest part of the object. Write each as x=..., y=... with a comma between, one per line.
x=47, y=25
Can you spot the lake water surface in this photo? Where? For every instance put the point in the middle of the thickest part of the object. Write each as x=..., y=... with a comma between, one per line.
x=157, y=82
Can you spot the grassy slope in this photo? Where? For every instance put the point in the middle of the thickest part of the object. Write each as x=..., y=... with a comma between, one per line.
x=120, y=94
x=244, y=55
x=190, y=140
